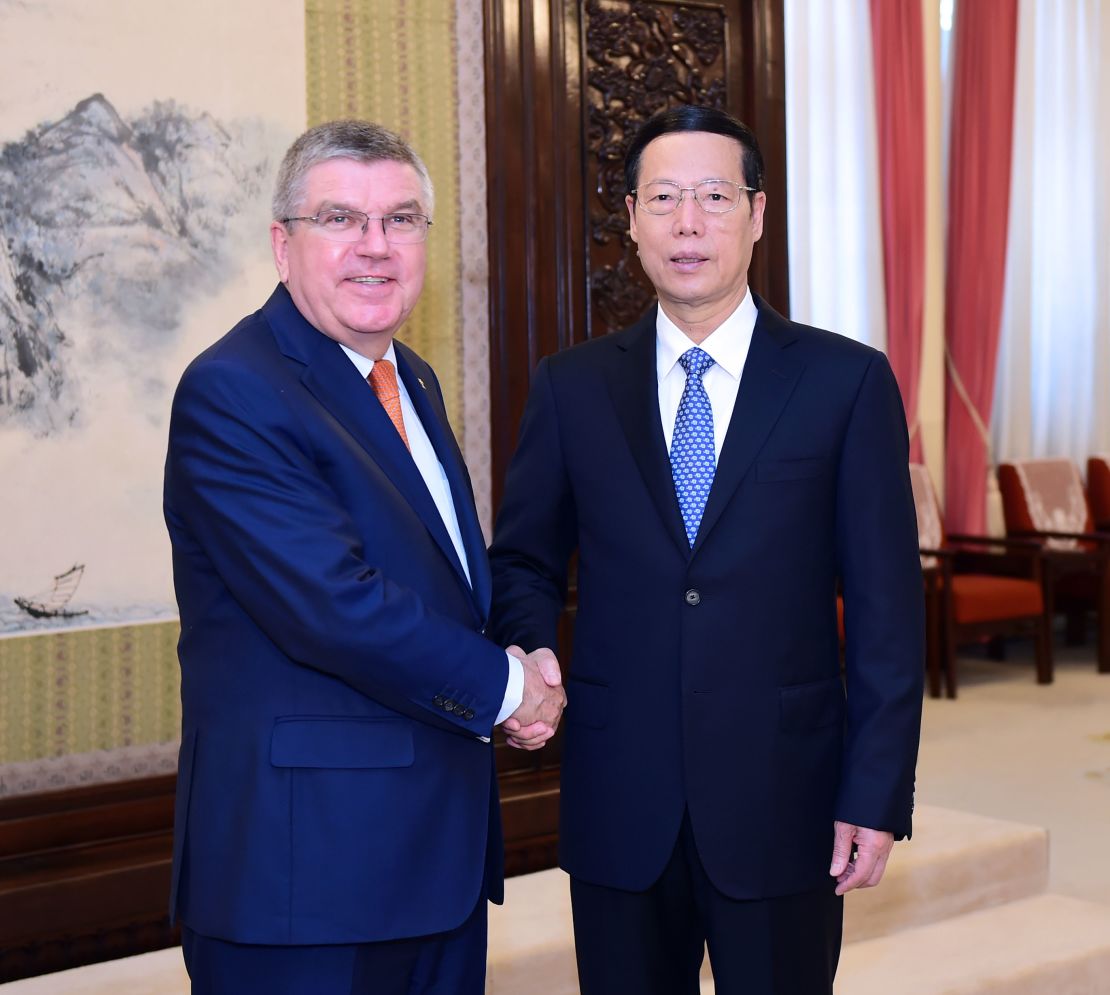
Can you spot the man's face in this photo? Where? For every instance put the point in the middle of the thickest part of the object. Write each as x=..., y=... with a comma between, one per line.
x=698, y=262
x=358, y=293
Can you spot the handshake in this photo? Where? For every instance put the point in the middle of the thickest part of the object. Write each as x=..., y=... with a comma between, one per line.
x=537, y=718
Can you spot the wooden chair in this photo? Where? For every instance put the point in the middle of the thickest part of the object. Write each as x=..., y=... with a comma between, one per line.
x=976, y=587
x=1098, y=491
x=1044, y=499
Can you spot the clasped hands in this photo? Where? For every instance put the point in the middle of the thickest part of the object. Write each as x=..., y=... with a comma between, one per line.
x=541, y=707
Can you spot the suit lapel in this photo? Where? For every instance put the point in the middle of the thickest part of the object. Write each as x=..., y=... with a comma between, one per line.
x=335, y=383
x=428, y=403
x=634, y=389
x=770, y=375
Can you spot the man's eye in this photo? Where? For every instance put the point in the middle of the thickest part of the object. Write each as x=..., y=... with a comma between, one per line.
x=663, y=197
x=337, y=220
x=401, y=220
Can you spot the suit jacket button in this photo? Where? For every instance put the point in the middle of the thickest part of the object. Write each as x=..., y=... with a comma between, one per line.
x=693, y=597
x=459, y=710
x=438, y=701
x=449, y=705
x=468, y=714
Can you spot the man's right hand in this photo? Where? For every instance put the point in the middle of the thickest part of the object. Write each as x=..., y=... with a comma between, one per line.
x=541, y=707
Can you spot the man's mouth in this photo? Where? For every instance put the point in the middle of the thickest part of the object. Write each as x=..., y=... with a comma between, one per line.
x=371, y=280
x=687, y=263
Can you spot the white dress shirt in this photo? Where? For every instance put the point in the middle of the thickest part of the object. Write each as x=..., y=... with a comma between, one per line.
x=728, y=344
x=427, y=462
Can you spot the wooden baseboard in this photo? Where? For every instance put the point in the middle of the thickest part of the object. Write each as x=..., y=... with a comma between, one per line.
x=85, y=872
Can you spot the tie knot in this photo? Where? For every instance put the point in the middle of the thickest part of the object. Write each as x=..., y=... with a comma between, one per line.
x=695, y=362
x=383, y=378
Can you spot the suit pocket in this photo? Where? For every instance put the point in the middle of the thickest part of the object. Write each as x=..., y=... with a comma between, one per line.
x=587, y=704
x=771, y=471
x=341, y=743
x=811, y=706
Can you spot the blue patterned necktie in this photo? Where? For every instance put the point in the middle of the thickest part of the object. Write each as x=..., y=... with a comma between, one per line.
x=693, y=458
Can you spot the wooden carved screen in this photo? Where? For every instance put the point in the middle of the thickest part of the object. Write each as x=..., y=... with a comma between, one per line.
x=640, y=58
x=567, y=84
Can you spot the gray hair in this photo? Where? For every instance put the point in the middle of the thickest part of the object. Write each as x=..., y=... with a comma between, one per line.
x=362, y=141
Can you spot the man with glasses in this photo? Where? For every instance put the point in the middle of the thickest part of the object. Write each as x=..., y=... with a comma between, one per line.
x=720, y=471
x=337, y=820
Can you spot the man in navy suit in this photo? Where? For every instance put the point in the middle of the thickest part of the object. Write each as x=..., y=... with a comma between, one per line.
x=720, y=471
x=337, y=823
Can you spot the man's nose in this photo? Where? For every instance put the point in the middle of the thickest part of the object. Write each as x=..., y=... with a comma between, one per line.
x=373, y=241
x=688, y=216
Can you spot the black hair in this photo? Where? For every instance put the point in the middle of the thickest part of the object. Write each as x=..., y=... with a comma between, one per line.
x=688, y=117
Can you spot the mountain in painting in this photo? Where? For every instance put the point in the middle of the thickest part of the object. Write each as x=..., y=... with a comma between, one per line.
x=107, y=226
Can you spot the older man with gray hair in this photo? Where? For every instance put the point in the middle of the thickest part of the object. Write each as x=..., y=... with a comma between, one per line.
x=337, y=825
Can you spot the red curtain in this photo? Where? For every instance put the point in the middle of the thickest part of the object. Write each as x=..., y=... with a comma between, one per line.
x=978, y=209
x=898, y=53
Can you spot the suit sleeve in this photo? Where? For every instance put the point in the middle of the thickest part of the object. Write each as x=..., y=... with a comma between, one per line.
x=536, y=528
x=884, y=609
x=242, y=479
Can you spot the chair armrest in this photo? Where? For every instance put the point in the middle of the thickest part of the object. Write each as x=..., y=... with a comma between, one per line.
x=939, y=573
x=1001, y=558
x=1002, y=542
x=940, y=554
x=1099, y=538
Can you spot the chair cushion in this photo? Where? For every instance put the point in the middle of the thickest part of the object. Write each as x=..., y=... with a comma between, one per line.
x=983, y=598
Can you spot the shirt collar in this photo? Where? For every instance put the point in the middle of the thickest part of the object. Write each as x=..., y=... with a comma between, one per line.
x=728, y=343
x=364, y=365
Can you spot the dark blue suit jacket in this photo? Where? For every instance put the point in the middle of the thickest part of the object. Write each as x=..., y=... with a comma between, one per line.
x=710, y=679
x=332, y=787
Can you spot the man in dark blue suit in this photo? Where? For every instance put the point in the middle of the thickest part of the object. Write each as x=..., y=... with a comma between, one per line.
x=720, y=471
x=337, y=823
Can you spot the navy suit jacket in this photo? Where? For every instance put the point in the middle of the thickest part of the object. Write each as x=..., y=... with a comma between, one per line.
x=709, y=679
x=333, y=786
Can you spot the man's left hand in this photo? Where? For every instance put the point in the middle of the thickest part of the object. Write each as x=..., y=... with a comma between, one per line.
x=872, y=848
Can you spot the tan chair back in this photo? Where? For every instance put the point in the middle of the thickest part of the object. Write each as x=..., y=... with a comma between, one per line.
x=930, y=526
x=1044, y=495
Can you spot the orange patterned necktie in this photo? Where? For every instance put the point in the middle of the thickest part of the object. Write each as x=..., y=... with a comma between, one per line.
x=383, y=378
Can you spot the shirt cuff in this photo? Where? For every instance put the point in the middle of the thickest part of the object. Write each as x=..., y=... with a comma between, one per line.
x=514, y=690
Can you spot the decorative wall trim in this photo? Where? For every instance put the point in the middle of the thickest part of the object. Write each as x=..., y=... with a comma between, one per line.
x=74, y=770
x=76, y=704
x=473, y=430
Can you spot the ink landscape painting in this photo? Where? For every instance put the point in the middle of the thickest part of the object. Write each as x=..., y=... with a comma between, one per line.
x=135, y=177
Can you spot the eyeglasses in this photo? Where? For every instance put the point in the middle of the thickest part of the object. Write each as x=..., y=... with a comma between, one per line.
x=350, y=226
x=713, y=196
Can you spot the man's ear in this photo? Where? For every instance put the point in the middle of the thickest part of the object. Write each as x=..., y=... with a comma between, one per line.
x=279, y=242
x=630, y=203
x=759, y=203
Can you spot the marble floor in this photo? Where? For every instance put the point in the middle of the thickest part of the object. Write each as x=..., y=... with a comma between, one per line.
x=1010, y=748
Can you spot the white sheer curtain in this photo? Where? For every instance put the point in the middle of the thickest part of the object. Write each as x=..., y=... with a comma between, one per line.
x=836, y=257
x=1052, y=394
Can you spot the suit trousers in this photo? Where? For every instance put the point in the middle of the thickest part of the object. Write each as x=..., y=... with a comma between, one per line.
x=450, y=963
x=653, y=942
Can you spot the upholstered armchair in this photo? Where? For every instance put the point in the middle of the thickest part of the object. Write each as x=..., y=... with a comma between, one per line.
x=1098, y=491
x=1044, y=499
x=976, y=587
